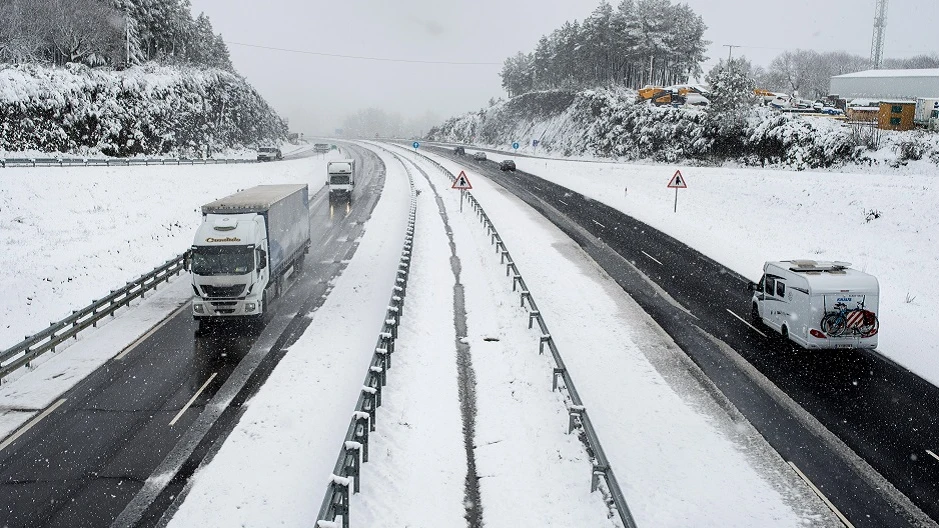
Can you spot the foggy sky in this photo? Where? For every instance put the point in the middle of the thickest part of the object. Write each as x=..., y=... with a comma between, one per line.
x=315, y=93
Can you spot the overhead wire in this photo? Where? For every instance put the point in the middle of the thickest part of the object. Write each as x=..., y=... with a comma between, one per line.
x=362, y=57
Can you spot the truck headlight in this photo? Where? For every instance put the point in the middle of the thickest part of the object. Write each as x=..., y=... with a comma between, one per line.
x=250, y=306
x=198, y=308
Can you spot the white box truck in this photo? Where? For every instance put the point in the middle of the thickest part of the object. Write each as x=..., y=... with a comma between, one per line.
x=818, y=304
x=340, y=176
x=245, y=247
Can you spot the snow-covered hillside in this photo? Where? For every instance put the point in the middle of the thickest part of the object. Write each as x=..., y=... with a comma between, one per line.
x=608, y=123
x=148, y=109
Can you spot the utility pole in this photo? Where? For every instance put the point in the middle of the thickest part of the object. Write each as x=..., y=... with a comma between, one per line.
x=730, y=50
x=877, y=42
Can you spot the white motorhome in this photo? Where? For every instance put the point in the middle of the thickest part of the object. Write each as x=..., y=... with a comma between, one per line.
x=340, y=175
x=818, y=304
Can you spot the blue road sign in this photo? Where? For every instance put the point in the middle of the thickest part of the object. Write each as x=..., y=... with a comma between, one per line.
x=515, y=145
x=415, y=144
x=534, y=142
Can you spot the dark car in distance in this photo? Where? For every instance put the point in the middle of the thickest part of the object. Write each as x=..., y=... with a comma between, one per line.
x=459, y=151
x=507, y=165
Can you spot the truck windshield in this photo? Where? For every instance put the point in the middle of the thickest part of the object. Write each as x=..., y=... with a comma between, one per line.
x=222, y=260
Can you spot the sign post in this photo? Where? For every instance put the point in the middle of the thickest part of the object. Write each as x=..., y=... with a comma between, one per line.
x=463, y=184
x=677, y=182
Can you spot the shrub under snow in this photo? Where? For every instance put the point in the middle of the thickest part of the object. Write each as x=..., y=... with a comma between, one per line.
x=608, y=122
x=147, y=110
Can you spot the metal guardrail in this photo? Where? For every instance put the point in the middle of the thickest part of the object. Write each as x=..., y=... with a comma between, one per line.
x=21, y=354
x=114, y=162
x=354, y=449
x=577, y=411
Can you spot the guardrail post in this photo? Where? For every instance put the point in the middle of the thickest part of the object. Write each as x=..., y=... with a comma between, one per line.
x=541, y=343
x=558, y=374
x=523, y=295
x=362, y=421
x=598, y=471
x=508, y=267
x=375, y=382
x=532, y=315
x=380, y=371
x=340, y=487
x=516, y=280
x=576, y=411
x=352, y=466
x=369, y=405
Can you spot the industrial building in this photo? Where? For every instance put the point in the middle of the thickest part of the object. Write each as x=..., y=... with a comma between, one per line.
x=887, y=84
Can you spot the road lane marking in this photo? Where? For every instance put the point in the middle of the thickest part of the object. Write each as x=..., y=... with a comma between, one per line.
x=821, y=496
x=152, y=331
x=30, y=424
x=742, y=320
x=651, y=257
x=563, y=202
x=598, y=223
x=194, y=396
x=932, y=454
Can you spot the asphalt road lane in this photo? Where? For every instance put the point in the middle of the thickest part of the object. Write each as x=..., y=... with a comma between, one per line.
x=882, y=412
x=88, y=458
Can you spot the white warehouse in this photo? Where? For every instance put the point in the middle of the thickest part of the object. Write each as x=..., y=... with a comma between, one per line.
x=887, y=84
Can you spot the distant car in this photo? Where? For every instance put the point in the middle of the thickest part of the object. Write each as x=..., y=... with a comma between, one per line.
x=459, y=151
x=832, y=111
x=479, y=156
x=507, y=165
x=269, y=154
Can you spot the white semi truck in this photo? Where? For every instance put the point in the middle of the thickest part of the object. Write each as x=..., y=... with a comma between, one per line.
x=247, y=244
x=340, y=176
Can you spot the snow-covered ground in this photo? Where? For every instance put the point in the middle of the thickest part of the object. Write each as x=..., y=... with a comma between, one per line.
x=69, y=235
x=681, y=457
x=742, y=217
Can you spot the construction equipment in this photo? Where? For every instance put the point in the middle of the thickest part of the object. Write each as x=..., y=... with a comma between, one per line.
x=673, y=95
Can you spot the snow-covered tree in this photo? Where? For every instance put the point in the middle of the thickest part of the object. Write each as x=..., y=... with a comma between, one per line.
x=732, y=98
x=639, y=42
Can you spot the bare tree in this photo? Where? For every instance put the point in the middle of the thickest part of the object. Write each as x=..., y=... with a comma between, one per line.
x=85, y=31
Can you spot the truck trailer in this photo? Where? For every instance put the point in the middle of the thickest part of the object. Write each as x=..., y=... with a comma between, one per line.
x=340, y=176
x=246, y=246
x=820, y=305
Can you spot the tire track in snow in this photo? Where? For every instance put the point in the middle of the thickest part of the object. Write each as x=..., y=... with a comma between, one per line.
x=465, y=372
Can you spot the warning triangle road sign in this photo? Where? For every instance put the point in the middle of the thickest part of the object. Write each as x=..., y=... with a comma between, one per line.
x=677, y=181
x=462, y=182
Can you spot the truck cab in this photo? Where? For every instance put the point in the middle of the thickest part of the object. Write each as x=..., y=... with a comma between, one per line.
x=248, y=244
x=229, y=266
x=340, y=176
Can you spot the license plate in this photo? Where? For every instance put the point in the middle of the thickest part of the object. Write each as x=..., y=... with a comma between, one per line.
x=844, y=345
